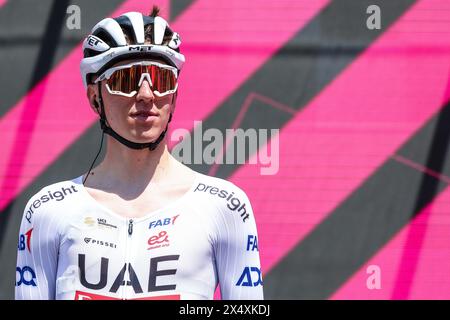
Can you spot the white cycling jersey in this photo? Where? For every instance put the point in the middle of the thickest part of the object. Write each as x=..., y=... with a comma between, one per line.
x=73, y=247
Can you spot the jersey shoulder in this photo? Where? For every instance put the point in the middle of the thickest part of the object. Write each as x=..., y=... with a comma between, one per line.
x=225, y=195
x=50, y=197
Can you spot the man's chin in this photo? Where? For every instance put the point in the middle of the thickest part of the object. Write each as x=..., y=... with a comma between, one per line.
x=146, y=138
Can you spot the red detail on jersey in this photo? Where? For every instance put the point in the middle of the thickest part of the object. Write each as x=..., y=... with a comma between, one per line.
x=160, y=238
x=80, y=295
x=28, y=234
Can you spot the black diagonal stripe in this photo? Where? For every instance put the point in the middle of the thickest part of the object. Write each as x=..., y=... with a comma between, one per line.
x=177, y=7
x=434, y=136
x=303, y=67
x=34, y=39
x=365, y=221
x=52, y=32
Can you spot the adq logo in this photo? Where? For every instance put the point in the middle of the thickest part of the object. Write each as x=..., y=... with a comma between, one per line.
x=25, y=276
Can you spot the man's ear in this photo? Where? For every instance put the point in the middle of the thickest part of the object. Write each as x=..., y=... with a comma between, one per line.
x=92, y=94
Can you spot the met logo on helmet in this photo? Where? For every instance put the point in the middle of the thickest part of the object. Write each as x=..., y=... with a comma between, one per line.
x=140, y=48
x=95, y=43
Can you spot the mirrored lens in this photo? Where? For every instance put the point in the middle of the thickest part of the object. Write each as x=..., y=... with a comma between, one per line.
x=127, y=80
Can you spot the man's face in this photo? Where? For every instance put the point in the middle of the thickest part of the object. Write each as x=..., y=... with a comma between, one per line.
x=141, y=118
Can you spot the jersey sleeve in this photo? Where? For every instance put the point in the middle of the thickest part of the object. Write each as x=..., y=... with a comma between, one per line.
x=236, y=250
x=37, y=253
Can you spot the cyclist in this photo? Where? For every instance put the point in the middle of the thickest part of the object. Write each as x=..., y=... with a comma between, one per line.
x=140, y=225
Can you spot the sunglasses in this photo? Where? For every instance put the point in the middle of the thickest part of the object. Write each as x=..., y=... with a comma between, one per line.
x=126, y=80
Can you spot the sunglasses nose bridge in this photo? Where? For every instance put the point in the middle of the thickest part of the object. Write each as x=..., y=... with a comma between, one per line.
x=145, y=76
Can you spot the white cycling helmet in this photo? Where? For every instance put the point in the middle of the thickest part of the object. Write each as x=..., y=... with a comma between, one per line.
x=107, y=45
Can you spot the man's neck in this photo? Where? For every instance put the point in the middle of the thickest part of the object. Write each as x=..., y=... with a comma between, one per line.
x=130, y=167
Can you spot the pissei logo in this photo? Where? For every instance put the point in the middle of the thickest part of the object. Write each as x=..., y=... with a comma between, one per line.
x=100, y=243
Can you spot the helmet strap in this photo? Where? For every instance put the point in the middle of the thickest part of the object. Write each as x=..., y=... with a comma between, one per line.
x=130, y=144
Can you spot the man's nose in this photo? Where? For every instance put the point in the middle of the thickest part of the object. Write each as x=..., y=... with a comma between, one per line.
x=145, y=92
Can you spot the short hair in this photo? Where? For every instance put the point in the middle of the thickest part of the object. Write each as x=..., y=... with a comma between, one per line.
x=148, y=32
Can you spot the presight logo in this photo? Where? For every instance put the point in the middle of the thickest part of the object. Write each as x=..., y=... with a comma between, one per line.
x=163, y=222
x=50, y=196
x=233, y=203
